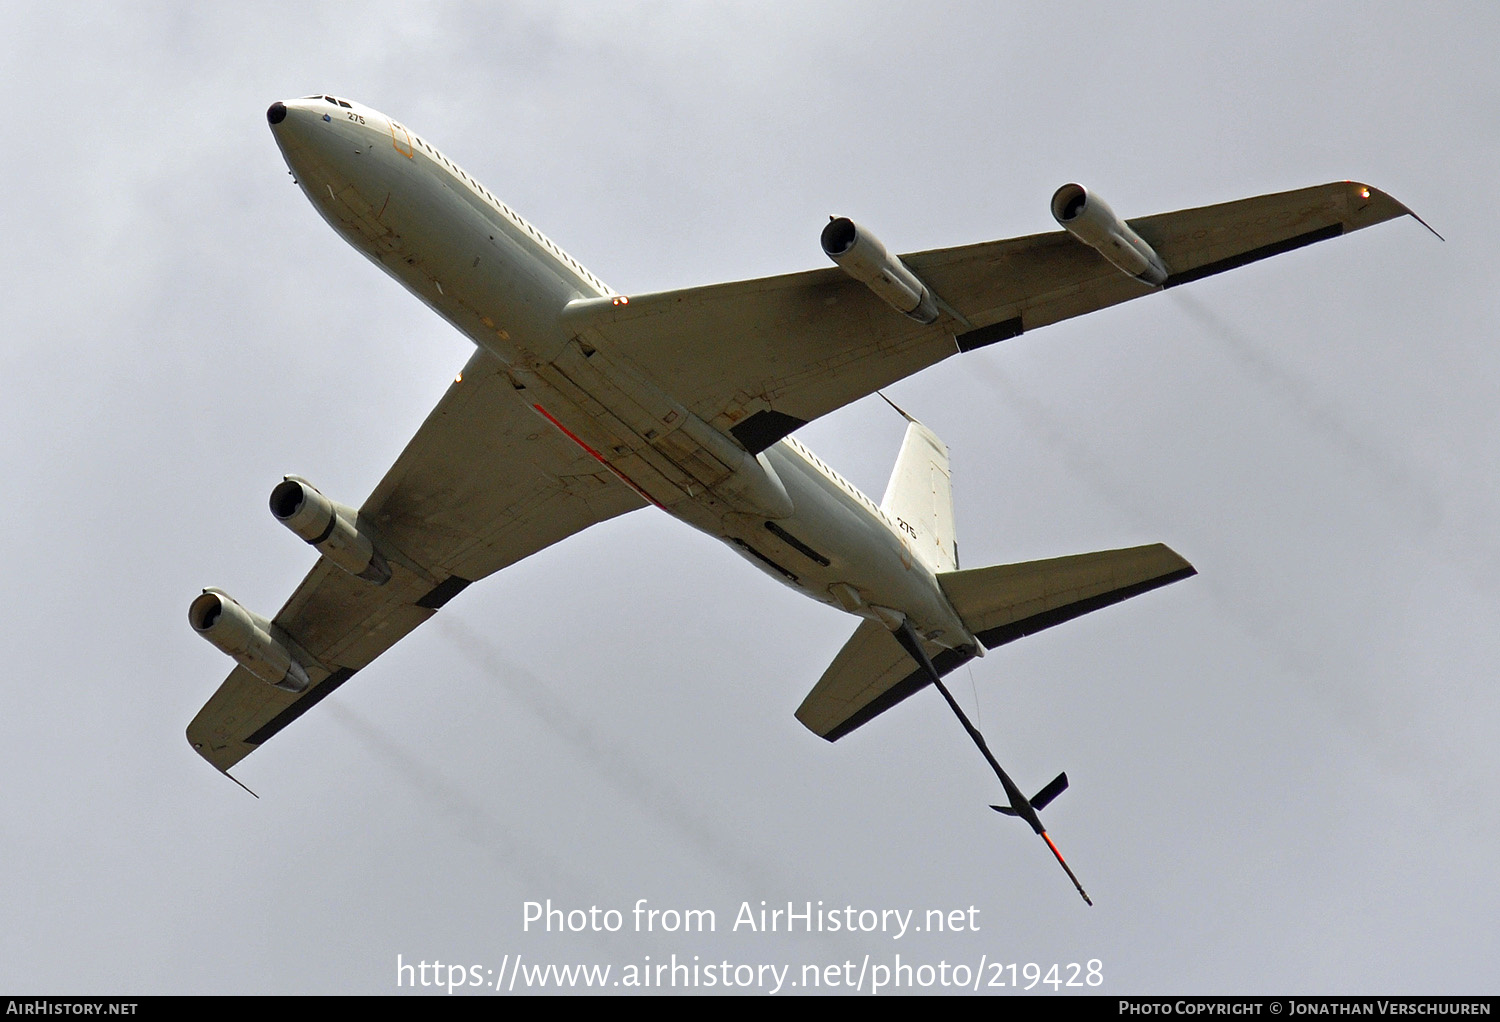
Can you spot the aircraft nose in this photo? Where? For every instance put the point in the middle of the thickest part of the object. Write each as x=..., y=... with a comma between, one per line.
x=277, y=113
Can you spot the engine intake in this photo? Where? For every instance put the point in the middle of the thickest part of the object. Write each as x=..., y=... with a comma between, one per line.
x=220, y=619
x=861, y=255
x=331, y=529
x=1089, y=219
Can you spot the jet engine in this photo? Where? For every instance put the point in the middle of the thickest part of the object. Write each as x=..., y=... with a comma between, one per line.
x=220, y=619
x=1089, y=219
x=861, y=255
x=331, y=529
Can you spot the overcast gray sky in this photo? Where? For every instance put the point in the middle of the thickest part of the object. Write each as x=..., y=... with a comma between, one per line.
x=1284, y=770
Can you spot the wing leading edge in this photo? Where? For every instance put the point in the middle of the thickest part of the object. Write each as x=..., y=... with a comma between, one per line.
x=481, y=486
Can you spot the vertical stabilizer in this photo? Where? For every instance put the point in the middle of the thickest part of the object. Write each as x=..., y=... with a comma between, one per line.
x=920, y=498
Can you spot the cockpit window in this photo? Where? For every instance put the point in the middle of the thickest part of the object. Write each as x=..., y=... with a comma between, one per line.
x=346, y=106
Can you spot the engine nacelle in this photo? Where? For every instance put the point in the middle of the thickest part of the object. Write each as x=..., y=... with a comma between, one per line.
x=332, y=529
x=861, y=255
x=220, y=619
x=1089, y=219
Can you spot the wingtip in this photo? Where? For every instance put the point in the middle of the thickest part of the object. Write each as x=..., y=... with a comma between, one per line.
x=1371, y=195
x=1425, y=224
x=899, y=410
x=207, y=752
x=239, y=782
x=236, y=780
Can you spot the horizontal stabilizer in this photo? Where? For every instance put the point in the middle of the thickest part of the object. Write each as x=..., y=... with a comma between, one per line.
x=1010, y=601
x=872, y=672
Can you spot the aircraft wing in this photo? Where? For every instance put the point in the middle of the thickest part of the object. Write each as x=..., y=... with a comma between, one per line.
x=483, y=484
x=759, y=358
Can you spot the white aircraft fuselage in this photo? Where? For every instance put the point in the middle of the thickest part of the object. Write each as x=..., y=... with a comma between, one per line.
x=511, y=290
